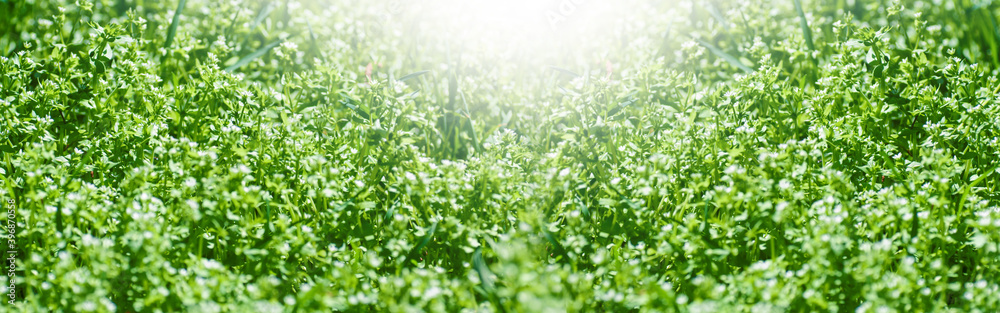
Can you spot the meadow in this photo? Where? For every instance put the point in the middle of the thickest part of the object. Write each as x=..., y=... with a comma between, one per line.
x=500, y=156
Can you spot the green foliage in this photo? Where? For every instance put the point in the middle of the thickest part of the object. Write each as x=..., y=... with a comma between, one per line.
x=241, y=156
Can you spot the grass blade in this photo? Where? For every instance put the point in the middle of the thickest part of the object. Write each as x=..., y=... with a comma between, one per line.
x=487, y=286
x=968, y=188
x=665, y=43
x=172, y=31
x=423, y=243
x=483, y=271
x=565, y=71
x=557, y=247
x=264, y=12
x=412, y=75
x=806, y=32
x=256, y=54
x=714, y=11
x=725, y=56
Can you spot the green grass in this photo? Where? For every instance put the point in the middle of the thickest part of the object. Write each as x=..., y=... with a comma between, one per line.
x=338, y=156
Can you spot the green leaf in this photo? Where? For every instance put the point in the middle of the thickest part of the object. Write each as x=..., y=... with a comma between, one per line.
x=412, y=75
x=483, y=271
x=173, y=24
x=424, y=241
x=256, y=54
x=264, y=12
x=565, y=71
x=806, y=31
x=725, y=56
x=714, y=11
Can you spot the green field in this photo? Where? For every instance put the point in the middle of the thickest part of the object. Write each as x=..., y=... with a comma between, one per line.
x=500, y=156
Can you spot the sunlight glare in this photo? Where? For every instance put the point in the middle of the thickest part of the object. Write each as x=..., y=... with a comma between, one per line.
x=521, y=26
